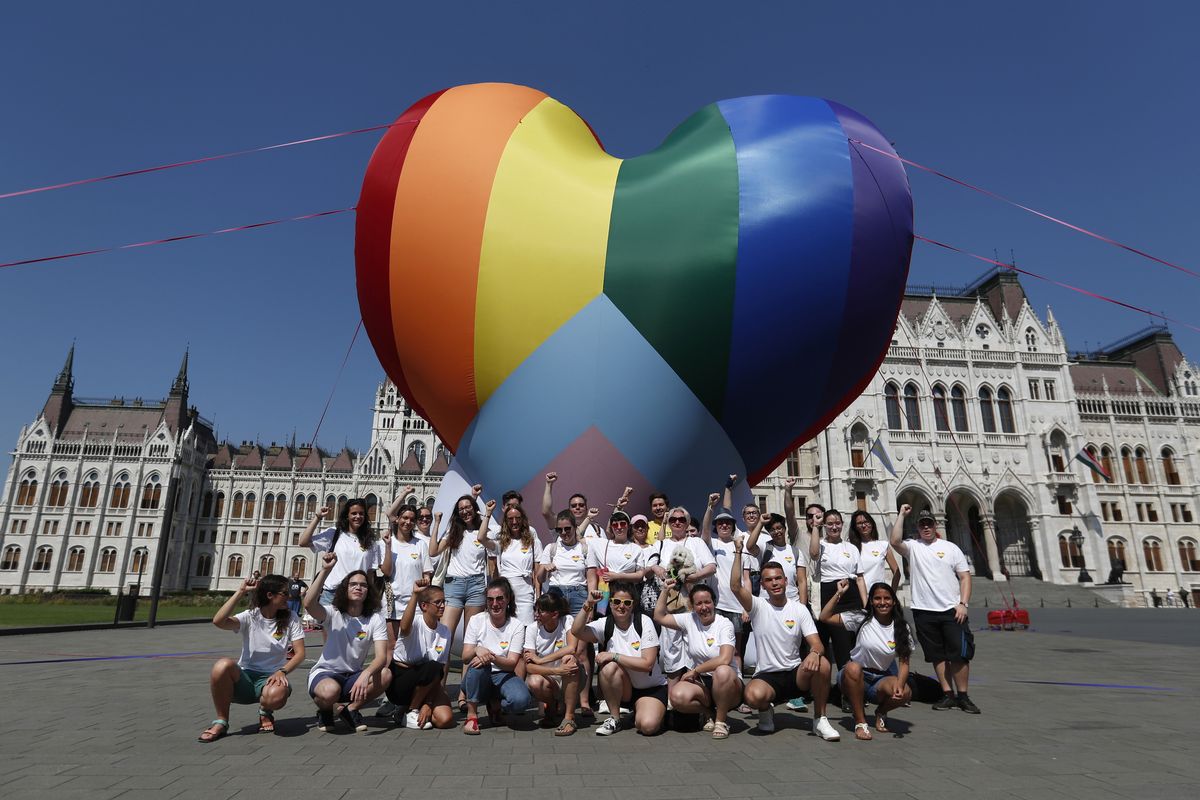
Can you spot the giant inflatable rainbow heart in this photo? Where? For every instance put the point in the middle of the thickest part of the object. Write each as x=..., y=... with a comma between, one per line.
x=659, y=321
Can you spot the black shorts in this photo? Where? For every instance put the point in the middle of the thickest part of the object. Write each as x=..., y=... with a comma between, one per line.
x=406, y=679
x=783, y=683
x=942, y=637
x=659, y=693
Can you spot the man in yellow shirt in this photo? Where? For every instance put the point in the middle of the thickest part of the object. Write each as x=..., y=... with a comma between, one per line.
x=659, y=503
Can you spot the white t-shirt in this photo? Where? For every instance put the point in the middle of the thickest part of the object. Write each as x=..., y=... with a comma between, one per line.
x=837, y=560
x=423, y=644
x=570, y=563
x=593, y=533
x=348, y=640
x=872, y=557
x=778, y=633
x=723, y=554
x=543, y=642
x=701, y=555
x=629, y=643
x=671, y=655
x=469, y=558
x=876, y=645
x=789, y=557
x=350, y=555
x=703, y=642
x=499, y=642
x=264, y=650
x=410, y=560
x=517, y=560
x=934, y=569
x=616, y=558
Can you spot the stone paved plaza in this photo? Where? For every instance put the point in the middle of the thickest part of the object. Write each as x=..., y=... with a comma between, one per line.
x=1092, y=703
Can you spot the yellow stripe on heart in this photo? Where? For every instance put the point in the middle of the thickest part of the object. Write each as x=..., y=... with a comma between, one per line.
x=545, y=239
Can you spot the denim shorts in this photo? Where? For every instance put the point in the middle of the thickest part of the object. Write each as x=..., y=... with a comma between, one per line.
x=464, y=591
x=870, y=679
x=576, y=596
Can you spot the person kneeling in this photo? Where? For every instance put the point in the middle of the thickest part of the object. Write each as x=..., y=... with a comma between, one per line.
x=417, y=688
x=492, y=651
x=627, y=667
x=554, y=670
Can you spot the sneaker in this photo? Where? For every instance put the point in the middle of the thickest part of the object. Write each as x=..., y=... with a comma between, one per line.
x=766, y=720
x=353, y=718
x=966, y=705
x=826, y=731
x=947, y=702
x=797, y=704
x=386, y=709
x=325, y=721
x=603, y=707
x=412, y=718
x=610, y=726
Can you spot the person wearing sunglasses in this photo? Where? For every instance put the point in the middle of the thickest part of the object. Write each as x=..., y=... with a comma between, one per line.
x=615, y=560
x=577, y=505
x=353, y=539
x=516, y=556
x=671, y=654
x=260, y=673
x=553, y=668
x=418, y=689
x=354, y=626
x=627, y=667
x=564, y=562
x=492, y=651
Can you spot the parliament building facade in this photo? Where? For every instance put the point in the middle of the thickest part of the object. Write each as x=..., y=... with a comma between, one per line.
x=978, y=406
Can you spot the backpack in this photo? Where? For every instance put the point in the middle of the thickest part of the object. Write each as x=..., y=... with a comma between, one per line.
x=553, y=549
x=651, y=586
x=610, y=625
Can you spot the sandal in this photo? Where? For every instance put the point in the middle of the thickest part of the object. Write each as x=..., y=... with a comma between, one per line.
x=567, y=728
x=212, y=737
x=881, y=724
x=862, y=732
x=471, y=726
x=585, y=712
x=266, y=721
x=720, y=730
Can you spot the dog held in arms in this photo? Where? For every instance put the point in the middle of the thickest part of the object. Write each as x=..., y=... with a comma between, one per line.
x=681, y=565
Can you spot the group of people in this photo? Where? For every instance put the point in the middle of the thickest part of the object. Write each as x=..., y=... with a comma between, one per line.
x=651, y=614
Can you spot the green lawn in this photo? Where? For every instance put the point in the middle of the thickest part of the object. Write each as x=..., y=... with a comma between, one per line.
x=17, y=615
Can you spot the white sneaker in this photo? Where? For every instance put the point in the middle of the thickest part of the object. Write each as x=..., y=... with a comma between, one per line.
x=603, y=707
x=610, y=726
x=412, y=718
x=826, y=731
x=766, y=720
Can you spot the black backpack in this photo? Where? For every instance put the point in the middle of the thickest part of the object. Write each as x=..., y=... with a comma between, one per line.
x=610, y=625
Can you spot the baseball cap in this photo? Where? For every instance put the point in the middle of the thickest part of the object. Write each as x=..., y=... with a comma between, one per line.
x=618, y=515
x=638, y=518
x=724, y=513
x=926, y=515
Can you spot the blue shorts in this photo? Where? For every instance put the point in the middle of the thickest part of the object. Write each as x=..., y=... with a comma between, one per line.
x=345, y=680
x=576, y=596
x=870, y=679
x=465, y=591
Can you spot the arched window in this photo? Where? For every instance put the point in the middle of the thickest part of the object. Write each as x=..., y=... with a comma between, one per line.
x=1106, y=460
x=248, y=512
x=299, y=566
x=1005, y=407
x=987, y=410
x=234, y=567
x=331, y=504
x=120, y=492
x=1152, y=553
x=1116, y=552
x=151, y=492
x=1127, y=464
x=1142, y=466
x=341, y=504
x=239, y=501
x=207, y=508
x=860, y=445
x=137, y=561
x=1058, y=451
x=1187, y=556
x=27, y=491
x=912, y=409
x=108, y=560
x=75, y=558
x=11, y=558
x=941, y=409
x=372, y=507
x=891, y=401
x=266, y=565
x=58, y=491
x=219, y=511
x=298, y=508
x=1091, y=451
x=89, y=494
x=311, y=510
x=204, y=566
x=1031, y=340
x=958, y=408
x=1170, y=470
x=280, y=506
x=1068, y=552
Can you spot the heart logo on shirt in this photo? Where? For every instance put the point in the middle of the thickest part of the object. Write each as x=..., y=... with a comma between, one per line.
x=709, y=641
x=874, y=553
x=438, y=648
x=524, y=549
x=277, y=635
x=637, y=645
x=787, y=559
x=575, y=558
x=891, y=645
x=413, y=556
x=845, y=555
x=478, y=543
x=940, y=554
x=360, y=635
x=559, y=644
x=789, y=623
x=504, y=645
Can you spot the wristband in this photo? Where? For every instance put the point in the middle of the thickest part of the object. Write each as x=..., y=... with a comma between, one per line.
x=616, y=658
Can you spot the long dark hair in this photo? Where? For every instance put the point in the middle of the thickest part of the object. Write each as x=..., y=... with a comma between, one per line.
x=457, y=529
x=899, y=624
x=396, y=525
x=341, y=595
x=365, y=533
x=855, y=537
x=273, y=584
x=506, y=587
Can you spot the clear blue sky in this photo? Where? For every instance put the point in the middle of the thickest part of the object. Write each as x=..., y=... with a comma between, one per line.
x=1085, y=110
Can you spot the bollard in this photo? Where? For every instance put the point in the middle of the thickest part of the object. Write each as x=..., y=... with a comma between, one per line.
x=1068, y=602
x=1043, y=602
x=1096, y=603
x=985, y=602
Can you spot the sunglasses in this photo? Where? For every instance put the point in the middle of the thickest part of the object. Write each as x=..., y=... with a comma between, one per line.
x=357, y=585
x=620, y=603
x=567, y=529
x=439, y=603
x=425, y=518
x=678, y=520
x=620, y=523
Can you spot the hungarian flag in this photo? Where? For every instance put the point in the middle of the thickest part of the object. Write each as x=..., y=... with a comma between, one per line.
x=880, y=453
x=1091, y=463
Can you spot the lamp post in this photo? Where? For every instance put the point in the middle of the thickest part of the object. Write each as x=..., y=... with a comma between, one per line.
x=1077, y=541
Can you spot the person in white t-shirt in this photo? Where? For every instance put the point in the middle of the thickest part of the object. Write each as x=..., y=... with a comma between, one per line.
x=516, y=555
x=422, y=650
x=564, y=562
x=878, y=667
x=354, y=626
x=709, y=683
x=833, y=558
x=778, y=547
x=410, y=563
x=940, y=593
x=722, y=550
x=492, y=650
x=260, y=674
x=873, y=552
x=781, y=626
x=615, y=560
x=627, y=668
x=553, y=667
x=577, y=506
x=353, y=539
x=658, y=559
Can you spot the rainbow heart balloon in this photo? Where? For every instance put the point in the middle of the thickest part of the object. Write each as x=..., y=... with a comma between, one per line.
x=658, y=321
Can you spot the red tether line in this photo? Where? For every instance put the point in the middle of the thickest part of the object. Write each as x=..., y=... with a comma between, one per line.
x=1015, y=268
x=1033, y=211
x=336, y=381
x=190, y=162
x=182, y=238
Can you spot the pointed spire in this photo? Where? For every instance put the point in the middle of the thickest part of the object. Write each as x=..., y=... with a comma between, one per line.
x=180, y=386
x=65, y=381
